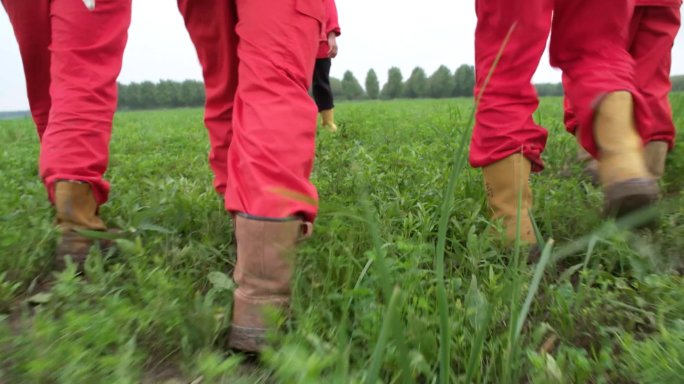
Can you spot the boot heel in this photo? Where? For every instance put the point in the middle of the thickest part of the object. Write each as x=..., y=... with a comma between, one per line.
x=629, y=196
x=247, y=339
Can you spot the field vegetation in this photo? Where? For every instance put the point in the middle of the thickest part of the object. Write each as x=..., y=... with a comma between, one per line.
x=403, y=282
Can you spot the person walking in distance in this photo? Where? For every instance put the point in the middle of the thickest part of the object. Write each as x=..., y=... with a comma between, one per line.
x=327, y=51
x=588, y=44
x=651, y=34
x=257, y=59
x=72, y=56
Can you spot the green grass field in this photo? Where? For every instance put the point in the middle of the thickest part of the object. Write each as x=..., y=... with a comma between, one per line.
x=609, y=307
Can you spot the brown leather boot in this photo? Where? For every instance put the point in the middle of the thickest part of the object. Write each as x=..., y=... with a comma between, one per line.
x=76, y=209
x=502, y=185
x=656, y=153
x=628, y=185
x=264, y=268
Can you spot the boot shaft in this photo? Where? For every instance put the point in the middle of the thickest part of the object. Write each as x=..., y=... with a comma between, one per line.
x=620, y=146
x=263, y=274
x=265, y=261
x=656, y=154
x=76, y=207
x=628, y=186
x=328, y=120
x=504, y=181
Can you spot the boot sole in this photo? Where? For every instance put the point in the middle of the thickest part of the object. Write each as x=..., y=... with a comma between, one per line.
x=79, y=256
x=247, y=339
x=629, y=196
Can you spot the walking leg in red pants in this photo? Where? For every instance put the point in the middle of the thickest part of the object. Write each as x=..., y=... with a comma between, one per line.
x=590, y=167
x=587, y=43
x=651, y=35
x=270, y=48
x=31, y=23
x=77, y=53
x=211, y=25
x=506, y=141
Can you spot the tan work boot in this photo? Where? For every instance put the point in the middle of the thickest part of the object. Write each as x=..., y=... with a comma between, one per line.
x=76, y=209
x=264, y=269
x=327, y=117
x=656, y=153
x=503, y=180
x=628, y=185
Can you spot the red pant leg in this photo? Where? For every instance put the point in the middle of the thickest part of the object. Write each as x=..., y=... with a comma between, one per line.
x=569, y=117
x=652, y=35
x=87, y=51
x=31, y=23
x=211, y=25
x=503, y=121
x=588, y=41
x=271, y=156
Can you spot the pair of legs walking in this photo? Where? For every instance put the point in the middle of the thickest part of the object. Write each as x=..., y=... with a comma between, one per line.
x=588, y=44
x=257, y=58
x=652, y=32
x=322, y=93
x=72, y=58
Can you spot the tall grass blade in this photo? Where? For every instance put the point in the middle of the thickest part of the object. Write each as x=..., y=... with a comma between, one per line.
x=478, y=344
x=343, y=342
x=537, y=232
x=536, y=279
x=442, y=305
x=386, y=285
x=447, y=203
x=376, y=360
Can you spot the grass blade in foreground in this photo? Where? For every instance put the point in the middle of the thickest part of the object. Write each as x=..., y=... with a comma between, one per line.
x=447, y=203
x=376, y=362
x=445, y=338
x=536, y=279
x=478, y=312
x=397, y=325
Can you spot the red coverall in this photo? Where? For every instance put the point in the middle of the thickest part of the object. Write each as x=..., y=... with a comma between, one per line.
x=652, y=32
x=72, y=57
x=587, y=43
x=331, y=25
x=257, y=58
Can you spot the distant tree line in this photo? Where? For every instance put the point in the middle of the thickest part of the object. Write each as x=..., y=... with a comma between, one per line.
x=441, y=84
x=549, y=89
x=14, y=114
x=164, y=94
x=677, y=83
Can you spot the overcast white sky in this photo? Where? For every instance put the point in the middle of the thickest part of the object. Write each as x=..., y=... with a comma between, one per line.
x=375, y=34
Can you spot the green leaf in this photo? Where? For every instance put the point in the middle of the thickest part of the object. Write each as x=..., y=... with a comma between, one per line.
x=221, y=281
x=40, y=298
x=571, y=271
x=155, y=228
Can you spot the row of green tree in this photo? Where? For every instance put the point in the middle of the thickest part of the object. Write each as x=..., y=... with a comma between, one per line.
x=190, y=93
x=165, y=94
x=441, y=84
x=677, y=83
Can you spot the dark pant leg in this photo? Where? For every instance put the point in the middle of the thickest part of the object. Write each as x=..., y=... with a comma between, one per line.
x=322, y=92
